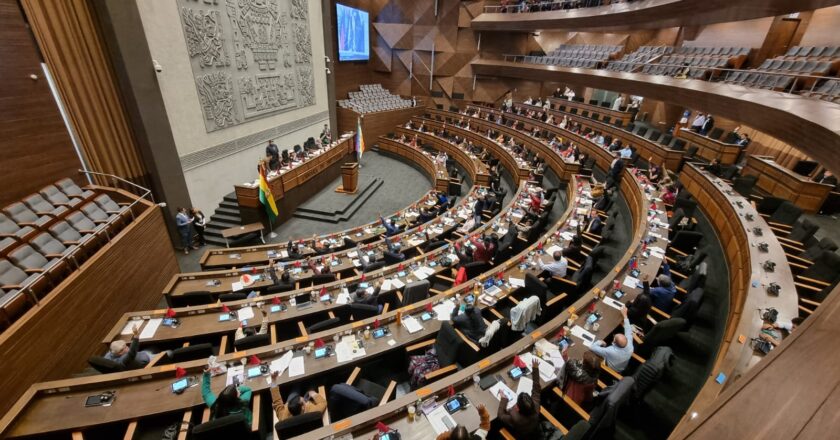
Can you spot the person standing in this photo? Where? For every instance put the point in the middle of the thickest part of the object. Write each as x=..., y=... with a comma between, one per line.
x=183, y=222
x=708, y=125
x=618, y=103
x=698, y=122
x=199, y=223
x=326, y=135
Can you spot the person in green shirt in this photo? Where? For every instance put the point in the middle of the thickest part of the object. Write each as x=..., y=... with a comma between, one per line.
x=232, y=399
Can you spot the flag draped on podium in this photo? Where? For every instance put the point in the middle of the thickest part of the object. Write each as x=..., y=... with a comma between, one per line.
x=360, y=140
x=266, y=197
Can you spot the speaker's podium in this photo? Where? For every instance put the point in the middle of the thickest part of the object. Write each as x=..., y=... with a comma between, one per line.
x=349, y=178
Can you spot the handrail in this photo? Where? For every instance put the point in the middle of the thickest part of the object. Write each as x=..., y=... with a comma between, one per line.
x=27, y=288
x=555, y=5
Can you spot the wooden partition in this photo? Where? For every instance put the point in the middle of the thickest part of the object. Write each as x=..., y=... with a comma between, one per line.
x=616, y=115
x=55, y=338
x=748, y=281
x=708, y=148
x=475, y=168
x=783, y=183
x=375, y=124
x=416, y=156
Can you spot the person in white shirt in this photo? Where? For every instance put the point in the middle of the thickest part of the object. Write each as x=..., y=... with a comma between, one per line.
x=617, y=355
x=564, y=122
x=569, y=94
x=600, y=140
x=529, y=101
x=625, y=152
x=698, y=122
x=556, y=268
x=618, y=103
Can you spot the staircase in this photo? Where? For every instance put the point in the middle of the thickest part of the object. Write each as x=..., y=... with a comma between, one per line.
x=351, y=204
x=225, y=216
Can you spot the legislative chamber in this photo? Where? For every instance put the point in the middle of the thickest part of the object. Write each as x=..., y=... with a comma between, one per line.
x=444, y=219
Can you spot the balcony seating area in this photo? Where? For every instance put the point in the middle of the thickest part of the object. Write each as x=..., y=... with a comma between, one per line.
x=645, y=54
x=48, y=235
x=796, y=70
x=591, y=56
x=373, y=98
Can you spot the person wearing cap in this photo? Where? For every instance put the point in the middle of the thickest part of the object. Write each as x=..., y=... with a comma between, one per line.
x=128, y=355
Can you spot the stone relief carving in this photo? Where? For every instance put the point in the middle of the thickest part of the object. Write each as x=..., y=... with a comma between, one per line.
x=215, y=91
x=250, y=58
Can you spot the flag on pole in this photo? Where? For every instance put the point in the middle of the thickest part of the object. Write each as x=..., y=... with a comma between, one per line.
x=266, y=197
x=360, y=140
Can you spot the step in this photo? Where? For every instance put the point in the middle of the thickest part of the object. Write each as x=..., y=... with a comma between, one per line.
x=225, y=218
x=229, y=205
x=230, y=197
x=356, y=197
x=334, y=219
x=227, y=212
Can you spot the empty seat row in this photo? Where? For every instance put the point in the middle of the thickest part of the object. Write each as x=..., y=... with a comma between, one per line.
x=810, y=67
x=720, y=50
x=760, y=80
x=813, y=52
x=829, y=90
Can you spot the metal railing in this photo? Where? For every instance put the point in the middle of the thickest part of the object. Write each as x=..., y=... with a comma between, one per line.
x=516, y=6
x=118, y=182
x=720, y=74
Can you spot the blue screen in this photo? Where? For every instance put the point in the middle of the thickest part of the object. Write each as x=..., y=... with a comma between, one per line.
x=353, y=37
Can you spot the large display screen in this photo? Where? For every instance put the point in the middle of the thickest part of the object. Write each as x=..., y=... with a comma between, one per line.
x=353, y=35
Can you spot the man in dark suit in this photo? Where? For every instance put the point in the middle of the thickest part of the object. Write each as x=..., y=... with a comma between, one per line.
x=708, y=125
x=273, y=153
x=828, y=178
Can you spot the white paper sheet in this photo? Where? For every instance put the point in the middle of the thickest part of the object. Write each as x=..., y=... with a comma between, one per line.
x=280, y=365
x=150, y=328
x=546, y=369
x=386, y=285
x=420, y=274
x=581, y=333
x=525, y=385
x=245, y=313
x=444, y=310
x=343, y=298
x=554, y=248
x=397, y=283
x=500, y=386
x=614, y=303
x=129, y=326
x=296, y=367
x=440, y=419
x=516, y=282
x=237, y=371
x=411, y=324
x=630, y=282
x=237, y=286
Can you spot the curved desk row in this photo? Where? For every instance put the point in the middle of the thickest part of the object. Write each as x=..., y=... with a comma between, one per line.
x=477, y=170
x=783, y=183
x=708, y=148
x=728, y=213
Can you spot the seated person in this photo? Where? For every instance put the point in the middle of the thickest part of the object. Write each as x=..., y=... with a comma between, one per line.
x=296, y=404
x=617, y=355
x=460, y=432
x=556, y=268
x=362, y=297
x=655, y=171
x=232, y=399
x=128, y=355
x=670, y=195
x=293, y=248
x=714, y=167
x=285, y=159
x=442, y=199
x=662, y=296
x=772, y=332
x=390, y=227
x=245, y=332
x=579, y=377
x=638, y=309
x=468, y=320
x=524, y=418
x=524, y=228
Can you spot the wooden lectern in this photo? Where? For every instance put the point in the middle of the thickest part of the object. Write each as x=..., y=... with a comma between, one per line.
x=349, y=178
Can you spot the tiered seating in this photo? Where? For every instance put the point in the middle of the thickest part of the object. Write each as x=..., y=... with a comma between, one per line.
x=829, y=90
x=510, y=6
x=793, y=71
x=643, y=55
x=48, y=235
x=373, y=98
x=590, y=56
x=702, y=61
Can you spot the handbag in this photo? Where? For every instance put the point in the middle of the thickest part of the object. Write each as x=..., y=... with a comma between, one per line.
x=770, y=315
x=762, y=346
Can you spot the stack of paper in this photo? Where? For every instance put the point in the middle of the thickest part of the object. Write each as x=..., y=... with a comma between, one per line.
x=516, y=282
x=444, y=310
x=411, y=324
x=150, y=328
x=587, y=337
x=441, y=420
x=613, y=303
x=245, y=313
x=630, y=282
x=280, y=365
x=546, y=368
x=237, y=286
x=501, y=388
x=236, y=371
x=296, y=367
x=343, y=297
x=396, y=283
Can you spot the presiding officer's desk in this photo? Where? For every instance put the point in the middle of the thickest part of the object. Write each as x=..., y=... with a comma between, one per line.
x=783, y=183
x=710, y=149
x=297, y=174
x=748, y=280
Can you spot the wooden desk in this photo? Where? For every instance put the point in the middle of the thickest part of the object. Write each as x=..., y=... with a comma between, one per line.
x=783, y=183
x=318, y=171
x=615, y=115
x=563, y=168
x=709, y=148
x=414, y=154
x=238, y=231
x=476, y=169
x=375, y=124
x=744, y=261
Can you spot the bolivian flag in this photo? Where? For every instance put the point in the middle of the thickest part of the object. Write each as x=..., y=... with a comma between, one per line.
x=360, y=140
x=266, y=197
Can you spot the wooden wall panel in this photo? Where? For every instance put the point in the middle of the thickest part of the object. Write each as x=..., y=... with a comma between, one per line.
x=35, y=147
x=55, y=339
x=822, y=28
x=69, y=38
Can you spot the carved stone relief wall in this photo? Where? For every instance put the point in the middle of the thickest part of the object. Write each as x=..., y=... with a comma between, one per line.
x=250, y=58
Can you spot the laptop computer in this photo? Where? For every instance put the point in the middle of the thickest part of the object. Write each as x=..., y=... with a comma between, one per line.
x=303, y=300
